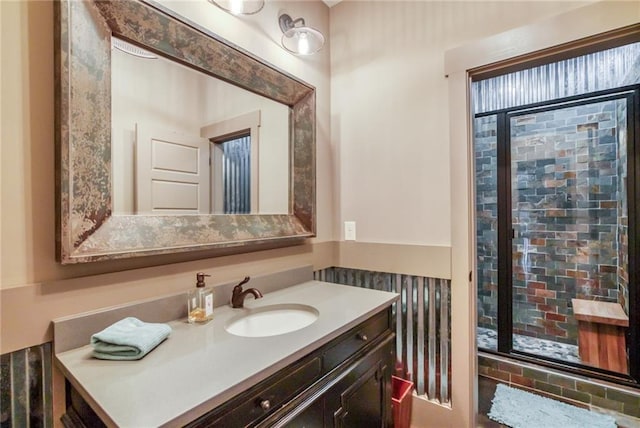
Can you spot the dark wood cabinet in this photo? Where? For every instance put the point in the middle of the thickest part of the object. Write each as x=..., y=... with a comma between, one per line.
x=362, y=397
x=345, y=383
x=358, y=395
x=356, y=391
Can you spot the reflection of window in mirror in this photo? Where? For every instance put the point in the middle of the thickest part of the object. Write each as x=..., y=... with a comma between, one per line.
x=231, y=175
x=234, y=164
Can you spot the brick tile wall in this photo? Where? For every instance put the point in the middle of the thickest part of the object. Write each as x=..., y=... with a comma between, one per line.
x=569, y=224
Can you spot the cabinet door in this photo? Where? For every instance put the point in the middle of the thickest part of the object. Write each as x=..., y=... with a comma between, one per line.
x=356, y=395
x=362, y=398
x=361, y=404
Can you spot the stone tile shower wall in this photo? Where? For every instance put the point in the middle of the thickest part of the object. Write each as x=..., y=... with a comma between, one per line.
x=571, y=230
x=485, y=141
x=565, y=215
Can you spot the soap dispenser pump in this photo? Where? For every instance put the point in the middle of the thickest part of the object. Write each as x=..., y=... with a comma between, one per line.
x=200, y=301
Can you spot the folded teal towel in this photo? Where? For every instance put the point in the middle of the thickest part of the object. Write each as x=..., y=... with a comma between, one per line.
x=128, y=339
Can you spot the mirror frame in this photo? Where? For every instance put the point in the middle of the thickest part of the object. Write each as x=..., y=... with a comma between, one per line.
x=86, y=230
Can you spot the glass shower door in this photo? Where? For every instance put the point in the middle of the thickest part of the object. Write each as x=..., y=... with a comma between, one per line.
x=486, y=149
x=569, y=227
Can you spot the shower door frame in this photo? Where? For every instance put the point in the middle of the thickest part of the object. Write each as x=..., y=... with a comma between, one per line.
x=505, y=231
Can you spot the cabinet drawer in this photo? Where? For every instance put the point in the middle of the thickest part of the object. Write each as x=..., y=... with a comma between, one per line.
x=355, y=340
x=266, y=399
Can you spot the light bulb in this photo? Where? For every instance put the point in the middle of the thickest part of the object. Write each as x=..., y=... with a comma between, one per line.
x=303, y=44
x=235, y=6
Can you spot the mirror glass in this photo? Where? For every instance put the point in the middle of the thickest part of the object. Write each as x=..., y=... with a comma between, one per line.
x=184, y=142
x=107, y=207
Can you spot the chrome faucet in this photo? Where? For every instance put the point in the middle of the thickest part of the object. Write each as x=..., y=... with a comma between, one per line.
x=238, y=295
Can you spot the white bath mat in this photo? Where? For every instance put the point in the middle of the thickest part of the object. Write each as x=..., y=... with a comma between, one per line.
x=521, y=409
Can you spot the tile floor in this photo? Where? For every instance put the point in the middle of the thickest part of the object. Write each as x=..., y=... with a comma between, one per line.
x=487, y=389
x=487, y=339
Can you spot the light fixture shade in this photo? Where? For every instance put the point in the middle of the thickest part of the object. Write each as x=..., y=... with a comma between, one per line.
x=299, y=39
x=239, y=7
x=134, y=50
x=302, y=40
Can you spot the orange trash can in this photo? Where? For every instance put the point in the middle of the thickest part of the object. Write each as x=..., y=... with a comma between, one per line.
x=401, y=401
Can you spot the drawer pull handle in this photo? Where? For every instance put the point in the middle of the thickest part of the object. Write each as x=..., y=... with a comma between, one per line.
x=265, y=404
x=362, y=337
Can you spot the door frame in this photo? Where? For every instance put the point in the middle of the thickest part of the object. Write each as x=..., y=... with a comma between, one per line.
x=593, y=26
x=224, y=129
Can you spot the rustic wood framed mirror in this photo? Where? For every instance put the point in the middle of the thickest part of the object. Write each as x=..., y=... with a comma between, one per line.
x=87, y=228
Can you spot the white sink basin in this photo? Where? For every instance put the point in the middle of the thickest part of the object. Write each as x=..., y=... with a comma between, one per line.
x=271, y=320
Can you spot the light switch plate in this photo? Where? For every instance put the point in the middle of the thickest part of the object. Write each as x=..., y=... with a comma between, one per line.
x=349, y=230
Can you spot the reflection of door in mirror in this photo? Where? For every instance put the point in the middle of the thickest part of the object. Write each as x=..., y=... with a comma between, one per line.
x=164, y=95
x=171, y=173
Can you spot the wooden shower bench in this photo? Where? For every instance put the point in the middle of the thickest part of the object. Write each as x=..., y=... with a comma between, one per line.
x=601, y=334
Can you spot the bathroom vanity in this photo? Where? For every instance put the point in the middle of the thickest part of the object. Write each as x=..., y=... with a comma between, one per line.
x=334, y=372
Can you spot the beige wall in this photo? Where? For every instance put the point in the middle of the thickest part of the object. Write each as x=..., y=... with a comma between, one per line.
x=389, y=102
x=34, y=288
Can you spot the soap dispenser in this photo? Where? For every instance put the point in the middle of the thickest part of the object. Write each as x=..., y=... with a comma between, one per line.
x=200, y=301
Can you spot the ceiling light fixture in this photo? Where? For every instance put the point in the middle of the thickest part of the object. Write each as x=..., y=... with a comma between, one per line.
x=126, y=47
x=299, y=39
x=239, y=7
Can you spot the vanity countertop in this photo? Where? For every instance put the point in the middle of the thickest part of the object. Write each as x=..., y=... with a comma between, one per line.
x=199, y=367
